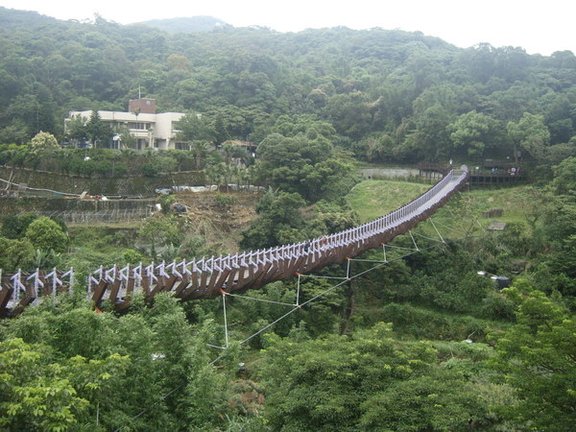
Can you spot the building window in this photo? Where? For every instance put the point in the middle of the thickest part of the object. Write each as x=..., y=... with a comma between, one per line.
x=160, y=143
x=140, y=126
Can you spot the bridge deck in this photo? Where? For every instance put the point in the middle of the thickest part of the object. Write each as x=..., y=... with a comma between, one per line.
x=209, y=277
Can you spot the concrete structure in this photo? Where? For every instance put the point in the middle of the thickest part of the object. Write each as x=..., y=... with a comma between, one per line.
x=150, y=129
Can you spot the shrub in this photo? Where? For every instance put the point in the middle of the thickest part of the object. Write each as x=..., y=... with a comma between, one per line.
x=149, y=170
x=223, y=201
x=45, y=234
x=15, y=226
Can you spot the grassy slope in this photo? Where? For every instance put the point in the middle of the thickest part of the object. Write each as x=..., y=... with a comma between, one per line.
x=516, y=202
x=374, y=198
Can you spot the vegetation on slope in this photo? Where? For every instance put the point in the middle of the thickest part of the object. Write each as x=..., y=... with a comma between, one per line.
x=421, y=342
x=388, y=95
x=373, y=198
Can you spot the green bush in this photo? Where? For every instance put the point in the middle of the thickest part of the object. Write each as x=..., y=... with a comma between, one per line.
x=16, y=253
x=497, y=306
x=45, y=234
x=15, y=226
x=423, y=323
x=149, y=170
x=223, y=201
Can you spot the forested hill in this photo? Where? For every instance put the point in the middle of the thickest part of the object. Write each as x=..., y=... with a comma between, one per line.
x=390, y=94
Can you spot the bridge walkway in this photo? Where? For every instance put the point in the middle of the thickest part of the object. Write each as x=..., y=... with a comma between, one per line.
x=234, y=273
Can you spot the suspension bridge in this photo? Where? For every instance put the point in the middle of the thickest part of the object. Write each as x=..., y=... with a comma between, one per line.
x=231, y=274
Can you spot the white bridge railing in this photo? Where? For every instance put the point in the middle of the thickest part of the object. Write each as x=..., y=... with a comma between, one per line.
x=209, y=277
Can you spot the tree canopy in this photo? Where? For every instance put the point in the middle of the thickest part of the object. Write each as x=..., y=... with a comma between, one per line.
x=418, y=342
x=430, y=97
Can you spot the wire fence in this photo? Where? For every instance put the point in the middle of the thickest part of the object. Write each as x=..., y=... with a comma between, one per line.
x=117, y=215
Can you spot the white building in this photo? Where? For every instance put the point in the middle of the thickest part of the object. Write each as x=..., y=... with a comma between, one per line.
x=150, y=129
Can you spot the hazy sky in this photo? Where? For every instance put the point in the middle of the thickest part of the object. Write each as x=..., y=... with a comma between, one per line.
x=537, y=26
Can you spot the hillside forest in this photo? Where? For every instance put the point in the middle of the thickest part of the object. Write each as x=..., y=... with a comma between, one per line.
x=421, y=342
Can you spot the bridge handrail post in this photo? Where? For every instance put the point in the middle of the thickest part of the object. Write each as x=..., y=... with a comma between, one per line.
x=149, y=273
x=17, y=285
x=241, y=260
x=110, y=274
x=234, y=261
x=37, y=282
x=137, y=275
x=56, y=282
x=185, y=270
x=195, y=268
x=71, y=279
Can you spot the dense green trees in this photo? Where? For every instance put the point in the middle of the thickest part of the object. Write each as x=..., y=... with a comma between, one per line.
x=299, y=156
x=76, y=369
x=538, y=354
x=194, y=129
x=98, y=131
x=555, y=232
x=279, y=221
x=16, y=253
x=28, y=241
x=531, y=135
x=159, y=232
x=415, y=89
x=42, y=394
x=564, y=182
x=459, y=354
x=371, y=381
x=473, y=133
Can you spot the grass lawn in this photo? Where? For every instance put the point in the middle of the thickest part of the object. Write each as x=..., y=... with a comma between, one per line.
x=516, y=202
x=374, y=198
